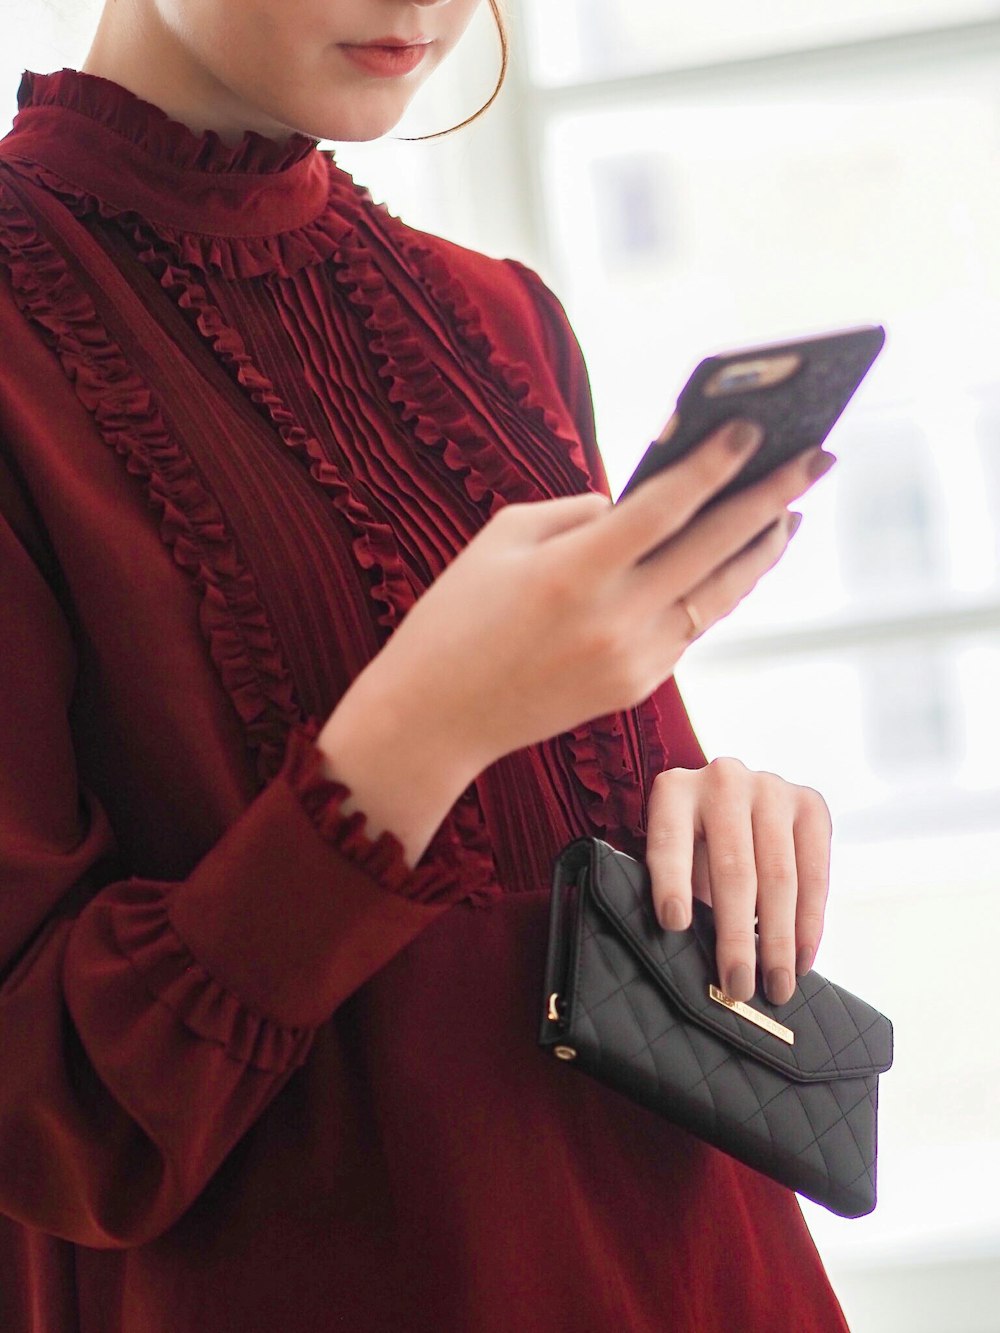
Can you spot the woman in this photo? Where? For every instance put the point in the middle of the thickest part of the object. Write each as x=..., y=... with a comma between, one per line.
x=321, y=637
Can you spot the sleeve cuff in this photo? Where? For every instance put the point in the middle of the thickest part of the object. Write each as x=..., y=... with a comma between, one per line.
x=322, y=800
x=295, y=907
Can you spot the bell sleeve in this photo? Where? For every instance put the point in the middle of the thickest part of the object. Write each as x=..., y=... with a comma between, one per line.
x=144, y=1025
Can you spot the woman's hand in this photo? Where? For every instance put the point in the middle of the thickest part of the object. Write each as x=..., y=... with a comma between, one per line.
x=750, y=844
x=564, y=610
x=556, y=612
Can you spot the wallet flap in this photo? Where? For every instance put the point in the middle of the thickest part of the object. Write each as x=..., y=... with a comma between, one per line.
x=835, y=1034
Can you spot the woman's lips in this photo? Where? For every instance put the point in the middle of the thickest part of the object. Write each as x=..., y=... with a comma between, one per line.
x=386, y=61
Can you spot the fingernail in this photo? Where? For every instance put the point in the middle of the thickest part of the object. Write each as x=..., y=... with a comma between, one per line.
x=744, y=436
x=673, y=915
x=794, y=523
x=820, y=463
x=803, y=960
x=669, y=430
x=739, y=983
x=779, y=986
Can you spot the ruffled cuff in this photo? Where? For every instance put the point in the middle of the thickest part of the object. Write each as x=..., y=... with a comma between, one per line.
x=382, y=860
x=144, y=934
x=295, y=907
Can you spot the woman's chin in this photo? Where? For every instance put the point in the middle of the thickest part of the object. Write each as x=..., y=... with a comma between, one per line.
x=372, y=119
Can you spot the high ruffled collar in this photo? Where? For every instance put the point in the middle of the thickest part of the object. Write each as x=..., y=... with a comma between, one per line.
x=128, y=154
x=151, y=129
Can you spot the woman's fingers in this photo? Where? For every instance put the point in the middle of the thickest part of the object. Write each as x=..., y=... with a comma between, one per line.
x=721, y=533
x=732, y=869
x=670, y=847
x=663, y=505
x=717, y=596
x=812, y=857
x=710, y=806
x=777, y=887
x=765, y=844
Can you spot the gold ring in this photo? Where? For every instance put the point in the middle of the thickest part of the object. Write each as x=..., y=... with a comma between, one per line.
x=694, y=618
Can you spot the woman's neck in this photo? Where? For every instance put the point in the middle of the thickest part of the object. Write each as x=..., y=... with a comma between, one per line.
x=134, y=48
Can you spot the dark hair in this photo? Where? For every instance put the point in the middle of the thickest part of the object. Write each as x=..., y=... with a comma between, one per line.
x=504, y=61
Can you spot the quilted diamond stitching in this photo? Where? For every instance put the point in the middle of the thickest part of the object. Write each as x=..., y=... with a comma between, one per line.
x=820, y=1132
x=814, y=1056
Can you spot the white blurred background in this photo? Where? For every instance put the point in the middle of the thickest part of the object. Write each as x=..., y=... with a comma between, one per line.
x=695, y=178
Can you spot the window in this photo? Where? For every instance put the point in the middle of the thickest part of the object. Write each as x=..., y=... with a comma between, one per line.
x=575, y=40
x=718, y=175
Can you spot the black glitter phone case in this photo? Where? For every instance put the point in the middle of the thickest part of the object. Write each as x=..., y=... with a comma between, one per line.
x=796, y=391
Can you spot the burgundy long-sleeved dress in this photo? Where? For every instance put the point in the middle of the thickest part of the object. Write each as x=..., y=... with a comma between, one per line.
x=256, y=1073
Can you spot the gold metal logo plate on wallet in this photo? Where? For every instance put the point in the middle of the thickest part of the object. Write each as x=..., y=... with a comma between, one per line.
x=771, y=1025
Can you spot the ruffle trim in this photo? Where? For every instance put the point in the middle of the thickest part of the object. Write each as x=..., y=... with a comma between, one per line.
x=615, y=796
x=234, y=257
x=150, y=128
x=374, y=545
x=460, y=847
x=651, y=725
x=146, y=937
x=145, y=934
x=171, y=257
x=437, y=419
x=465, y=868
x=232, y=619
x=446, y=872
x=515, y=377
x=435, y=416
x=459, y=852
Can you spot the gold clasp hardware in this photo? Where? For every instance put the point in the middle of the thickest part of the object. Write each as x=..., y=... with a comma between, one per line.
x=770, y=1025
x=564, y=1052
x=553, y=1012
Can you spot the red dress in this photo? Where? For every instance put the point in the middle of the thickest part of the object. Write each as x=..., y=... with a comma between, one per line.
x=256, y=1073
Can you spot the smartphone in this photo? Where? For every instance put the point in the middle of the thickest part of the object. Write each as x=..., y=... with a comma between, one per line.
x=796, y=391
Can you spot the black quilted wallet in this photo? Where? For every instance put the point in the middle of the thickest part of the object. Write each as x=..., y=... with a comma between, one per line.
x=790, y=1089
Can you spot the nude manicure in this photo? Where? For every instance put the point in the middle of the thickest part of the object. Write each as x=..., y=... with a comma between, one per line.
x=739, y=983
x=744, y=436
x=673, y=915
x=820, y=463
x=779, y=986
